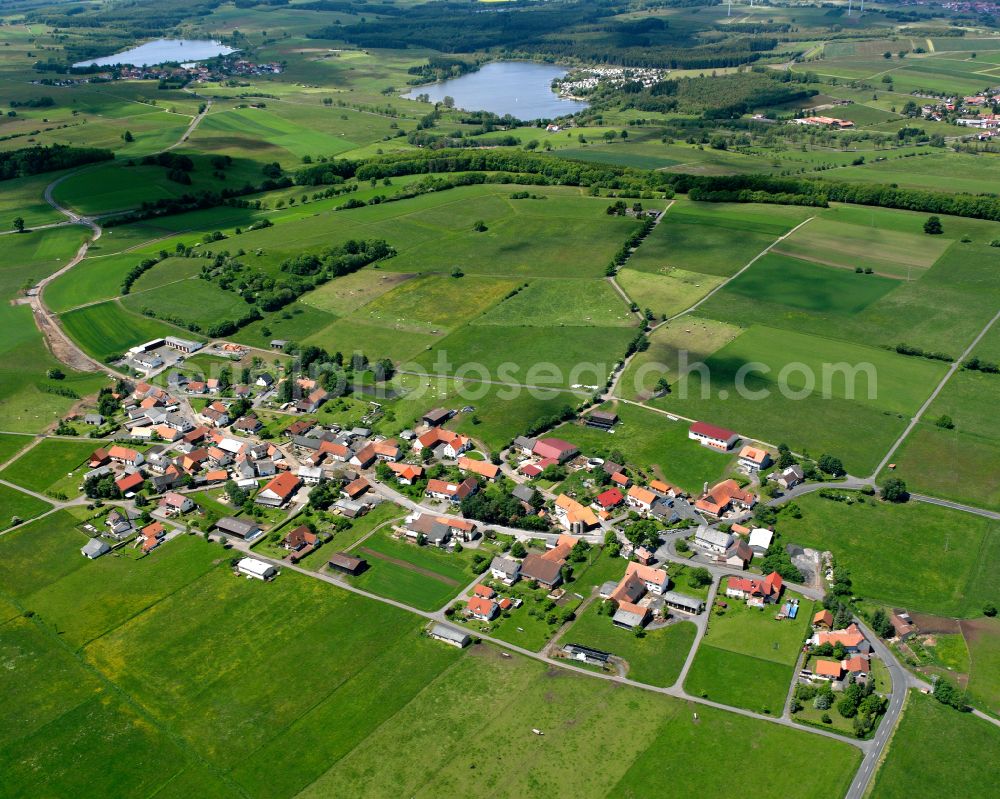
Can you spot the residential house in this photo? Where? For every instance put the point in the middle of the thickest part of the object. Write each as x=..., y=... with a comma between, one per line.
x=480, y=608
x=640, y=498
x=756, y=592
x=753, y=459
x=555, y=448
x=738, y=555
x=125, y=456
x=544, y=572
x=94, y=419
x=151, y=536
x=264, y=380
x=310, y=475
x=215, y=414
x=709, y=435
x=451, y=444
x=279, y=490
x=452, y=492
x=119, y=523
x=621, y=480
x=299, y=539
x=724, y=497
x=830, y=670
x=174, y=504
x=609, y=499
x=823, y=620
x=299, y=427
x=575, y=517
x=851, y=638
x=247, y=424
x=507, y=570
x=406, y=473
x=265, y=468
x=902, y=624
x=790, y=477
x=439, y=529
x=388, y=450
x=525, y=444
x=482, y=468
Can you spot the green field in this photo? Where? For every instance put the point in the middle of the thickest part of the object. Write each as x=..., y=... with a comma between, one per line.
x=713, y=238
x=889, y=252
x=931, y=751
x=424, y=577
x=668, y=291
x=562, y=303
x=918, y=556
x=108, y=329
x=47, y=466
x=746, y=658
x=449, y=714
x=806, y=378
x=656, y=659
x=982, y=641
x=16, y=504
x=739, y=680
x=350, y=292
x=651, y=442
x=796, y=283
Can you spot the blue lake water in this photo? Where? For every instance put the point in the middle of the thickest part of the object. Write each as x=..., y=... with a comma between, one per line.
x=161, y=51
x=519, y=88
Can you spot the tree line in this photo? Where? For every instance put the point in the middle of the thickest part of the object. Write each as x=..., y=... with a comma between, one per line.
x=48, y=158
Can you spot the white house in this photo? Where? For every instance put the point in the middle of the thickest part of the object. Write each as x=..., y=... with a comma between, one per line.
x=256, y=569
x=760, y=540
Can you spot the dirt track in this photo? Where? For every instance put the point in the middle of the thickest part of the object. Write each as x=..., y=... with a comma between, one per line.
x=409, y=566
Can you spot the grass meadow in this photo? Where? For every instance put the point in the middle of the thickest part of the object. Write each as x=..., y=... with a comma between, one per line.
x=918, y=556
x=652, y=443
x=788, y=371
x=657, y=658
x=16, y=504
x=108, y=329
x=747, y=658
x=932, y=749
x=47, y=467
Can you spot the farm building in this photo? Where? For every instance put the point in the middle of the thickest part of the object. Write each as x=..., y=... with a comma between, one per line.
x=593, y=657
x=239, y=528
x=449, y=635
x=603, y=420
x=347, y=564
x=94, y=548
x=709, y=435
x=256, y=569
x=555, y=448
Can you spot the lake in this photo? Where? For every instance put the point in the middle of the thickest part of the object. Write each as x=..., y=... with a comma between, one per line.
x=161, y=51
x=520, y=88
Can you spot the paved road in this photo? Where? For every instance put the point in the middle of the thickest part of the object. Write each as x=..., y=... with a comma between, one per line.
x=62, y=346
x=937, y=390
x=946, y=503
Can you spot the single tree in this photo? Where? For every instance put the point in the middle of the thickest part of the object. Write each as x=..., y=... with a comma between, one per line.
x=933, y=226
x=19, y=224
x=894, y=490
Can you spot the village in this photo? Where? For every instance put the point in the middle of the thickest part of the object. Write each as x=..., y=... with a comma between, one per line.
x=538, y=529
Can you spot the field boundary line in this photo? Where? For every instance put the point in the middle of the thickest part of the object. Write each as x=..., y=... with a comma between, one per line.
x=934, y=395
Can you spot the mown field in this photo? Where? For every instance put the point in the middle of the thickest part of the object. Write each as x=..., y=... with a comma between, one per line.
x=172, y=612
x=657, y=658
x=932, y=751
x=746, y=658
x=918, y=556
x=53, y=465
x=108, y=329
x=651, y=442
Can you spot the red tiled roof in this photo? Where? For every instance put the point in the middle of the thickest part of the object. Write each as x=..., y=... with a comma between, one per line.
x=610, y=498
x=283, y=485
x=712, y=431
